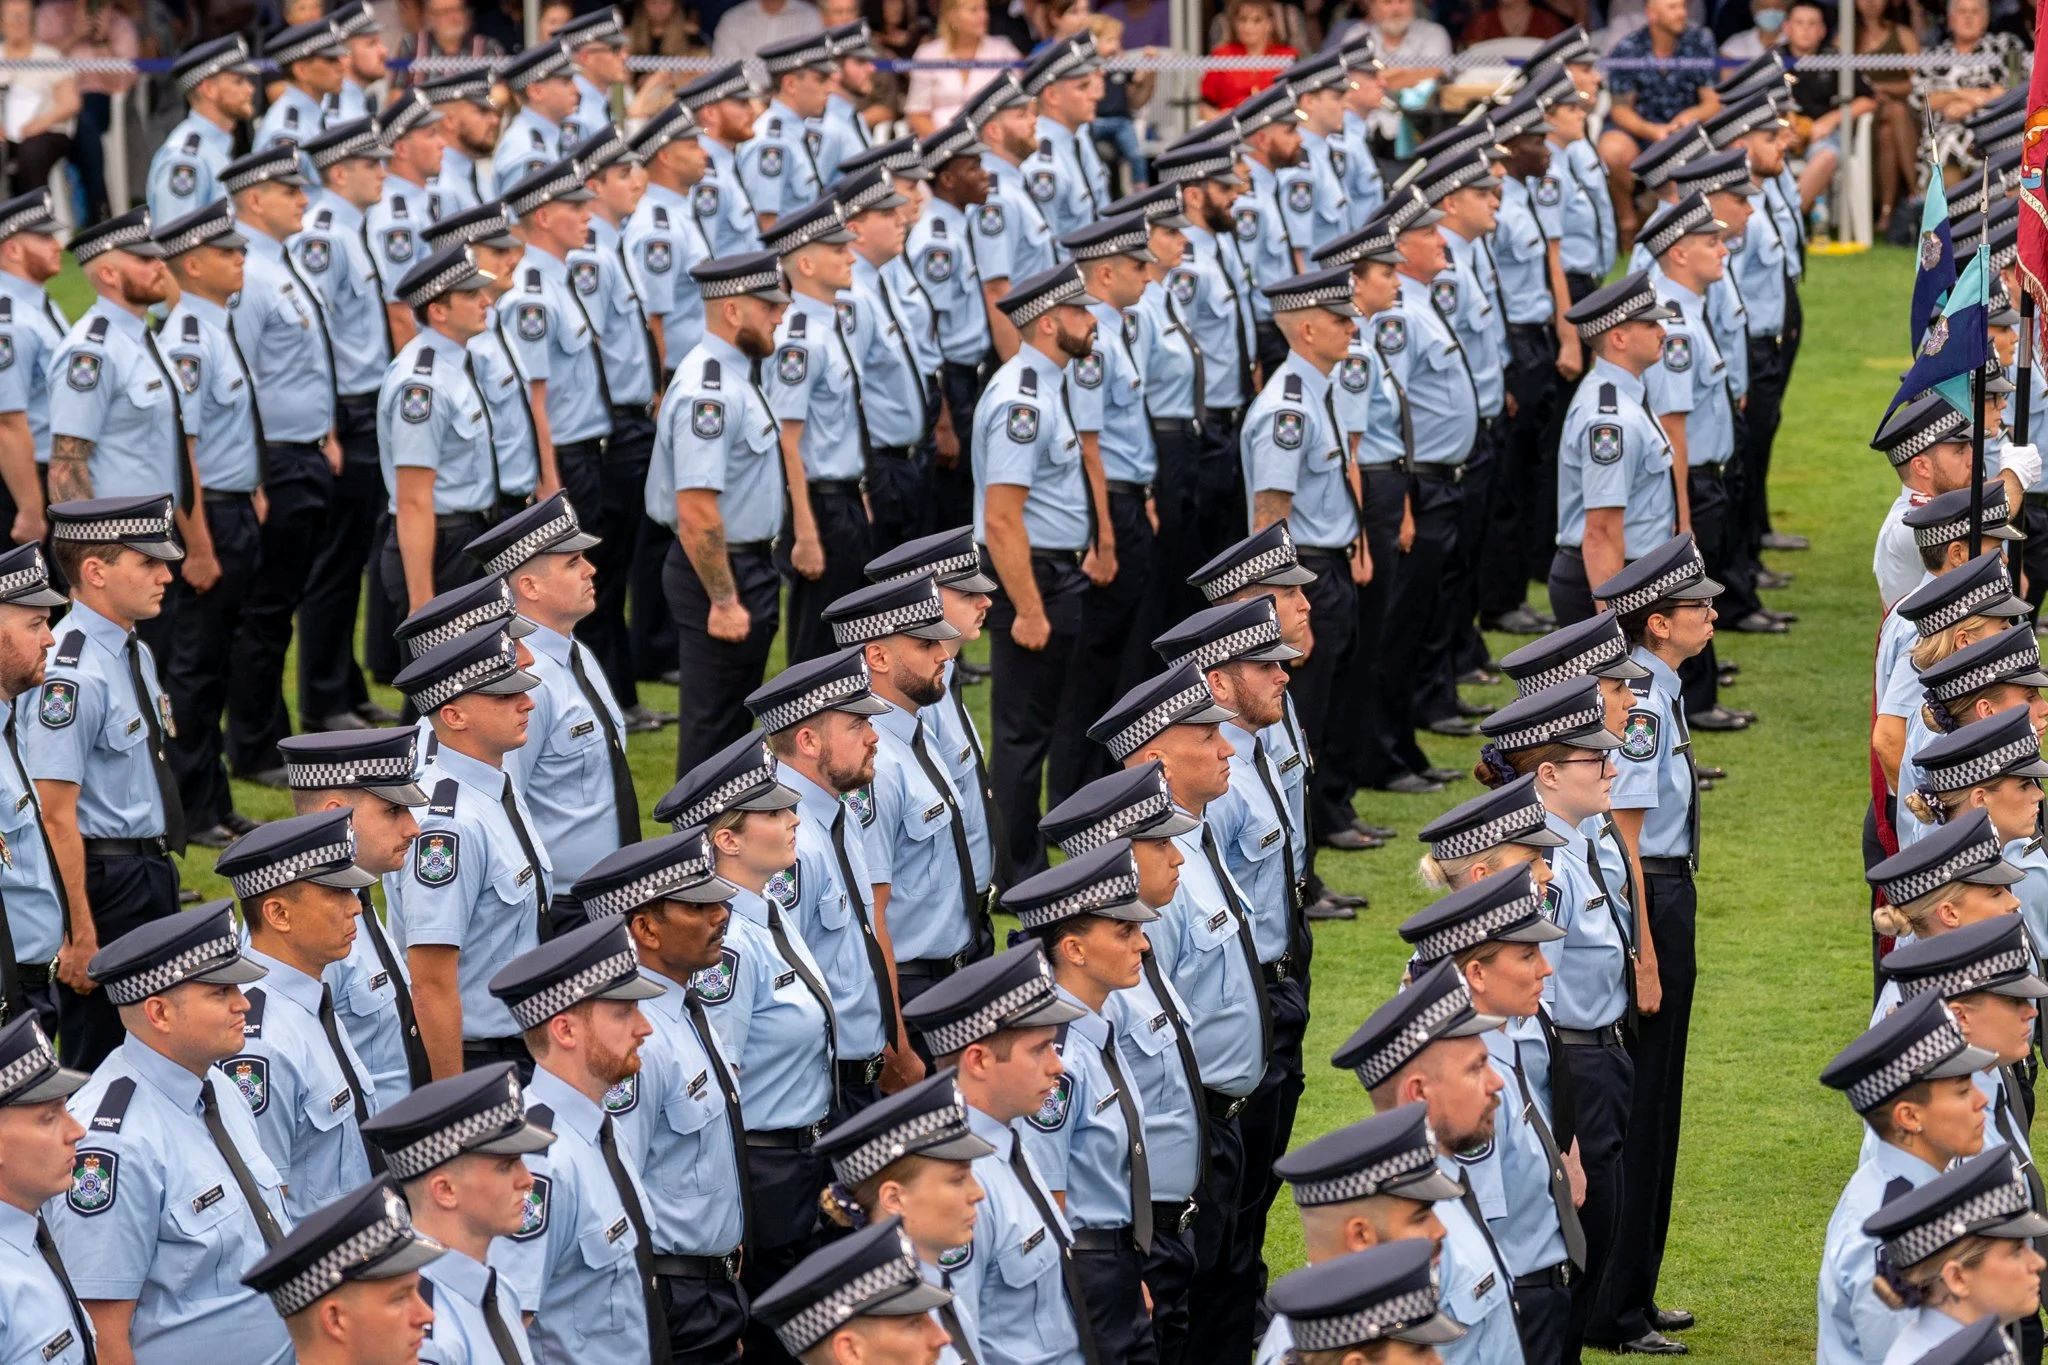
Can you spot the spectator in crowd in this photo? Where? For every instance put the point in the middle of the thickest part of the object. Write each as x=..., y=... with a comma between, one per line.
x=554, y=14
x=751, y=25
x=1818, y=118
x=1951, y=93
x=1124, y=93
x=1417, y=53
x=1767, y=28
x=77, y=29
x=39, y=105
x=1882, y=29
x=447, y=30
x=1062, y=19
x=936, y=95
x=1254, y=27
x=1147, y=23
x=900, y=26
x=1513, y=19
x=664, y=28
x=1649, y=102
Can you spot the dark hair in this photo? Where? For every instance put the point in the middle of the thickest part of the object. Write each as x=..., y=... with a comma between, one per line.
x=72, y=554
x=1493, y=768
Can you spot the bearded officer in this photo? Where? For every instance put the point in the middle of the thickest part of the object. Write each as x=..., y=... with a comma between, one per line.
x=217, y=79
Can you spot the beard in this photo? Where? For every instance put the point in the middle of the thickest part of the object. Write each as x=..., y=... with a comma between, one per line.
x=143, y=292
x=1282, y=160
x=1074, y=345
x=1216, y=216
x=1020, y=143
x=613, y=1067
x=850, y=779
x=921, y=691
x=754, y=343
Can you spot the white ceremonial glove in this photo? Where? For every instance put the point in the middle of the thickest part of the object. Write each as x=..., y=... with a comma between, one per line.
x=2024, y=462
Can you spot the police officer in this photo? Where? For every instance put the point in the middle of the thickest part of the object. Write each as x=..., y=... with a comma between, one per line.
x=435, y=434
x=716, y=480
x=217, y=79
x=453, y=1149
x=1574, y=189
x=347, y=1280
x=169, y=1130
x=765, y=999
x=1320, y=85
x=844, y=122
x=540, y=80
x=1041, y=510
x=553, y=334
x=363, y=64
x=576, y=1000
x=410, y=129
x=944, y=257
x=307, y=1088
x=1616, y=482
x=476, y=893
x=96, y=752
x=665, y=239
x=1655, y=170
x=1664, y=601
x=681, y=1112
x=596, y=44
x=469, y=131
x=1908, y=1079
x=1368, y=1184
x=43, y=1316
x=870, y=1290
x=1424, y=1045
x=1364, y=188
x=894, y=399
x=309, y=56
x=38, y=918
x=34, y=328
x=1364, y=1300
x=778, y=165
x=1272, y=218
x=816, y=718
x=1065, y=175
x=572, y=768
x=719, y=100
x=1011, y=236
x=996, y=1022
x=487, y=232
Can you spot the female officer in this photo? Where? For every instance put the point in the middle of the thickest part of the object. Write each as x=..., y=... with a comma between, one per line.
x=1952, y=878
x=1995, y=766
x=909, y=1157
x=1977, y=681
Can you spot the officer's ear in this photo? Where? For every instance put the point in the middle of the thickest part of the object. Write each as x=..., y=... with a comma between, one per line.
x=876, y=655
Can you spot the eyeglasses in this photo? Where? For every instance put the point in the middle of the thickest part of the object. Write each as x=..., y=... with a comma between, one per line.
x=1699, y=603
x=1601, y=759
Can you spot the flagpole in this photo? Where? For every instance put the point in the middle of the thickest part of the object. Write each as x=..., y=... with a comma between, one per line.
x=2024, y=389
x=1977, y=379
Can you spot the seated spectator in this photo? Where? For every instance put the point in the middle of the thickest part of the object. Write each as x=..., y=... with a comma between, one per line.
x=1147, y=23
x=1124, y=93
x=554, y=14
x=1513, y=19
x=1650, y=101
x=1951, y=93
x=1767, y=18
x=39, y=106
x=900, y=27
x=751, y=25
x=1062, y=20
x=1417, y=53
x=1818, y=118
x=1253, y=26
x=936, y=95
x=77, y=30
x=1883, y=30
x=446, y=30
x=664, y=28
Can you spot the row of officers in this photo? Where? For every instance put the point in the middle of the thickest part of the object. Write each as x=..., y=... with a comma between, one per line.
x=1081, y=1135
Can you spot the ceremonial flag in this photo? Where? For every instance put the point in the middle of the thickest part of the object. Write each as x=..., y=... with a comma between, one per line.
x=1937, y=267
x=1953, y=346
x=2033, y=261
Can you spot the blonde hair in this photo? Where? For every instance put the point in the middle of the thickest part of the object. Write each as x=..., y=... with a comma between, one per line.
x=1920, y=1284
x=1937, y=810
x=1926, y=653
x=1106, y=29
x=1915, y=917
x=1446, y=874
x=947, y=33
x=853, y=1206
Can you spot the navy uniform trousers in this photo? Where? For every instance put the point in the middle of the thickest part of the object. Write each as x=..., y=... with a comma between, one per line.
x=330, y=683
x=1024, y=703
x=201, y=661
x=717, y=675
x=1115, y=648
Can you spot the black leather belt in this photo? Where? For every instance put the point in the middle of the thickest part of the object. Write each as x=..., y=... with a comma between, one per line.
x=1175, y=426
x=1717, y=472
x=1227, y=416
x=750, y=547
x=226, y=495
x=589, y=445
x=1128, y=489
x=788, y=1139
x=1563, y=1275
x=1572, y=551
x=836, y=488
x=1060, y=556
x=932, y=968
x=1102, y=1239
x=1440, y=473
x=1224, y=1107
x=1177, y=1216
x=2035, y=499
x=36, y=974
x=1321, y=552
x=860, y=1072
x=714, y=1268
x=459, y=521
x=895, y=452
x=1667, y=867
x=154, y=847
x=1280, y=969
x=514, y=1048
x=1607, y=1035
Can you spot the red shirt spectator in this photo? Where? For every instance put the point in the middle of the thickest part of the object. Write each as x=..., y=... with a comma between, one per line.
x=1253, y=23
x=1513, y=19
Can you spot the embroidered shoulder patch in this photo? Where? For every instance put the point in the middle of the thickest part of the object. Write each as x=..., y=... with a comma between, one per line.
x=1247, y=224
x=1051, y=1114
x=1022, y=425
x=59, y=705
x=659, y=258
x=714, y=984
x=1181, y=284
x=92, y=1182
x=623, y=1097
x=1603, y=442
x=251, y=1075
x=1390, y=335
x=783, y=888
x=416, y=402
x=1444, y=295
x=186, y=366
x=1088, y=370
x=1548, y=192
x=1678, y=353
x=861, y=802
x=792, y=363
x=435, y=857
x=83, y=373
x=952, y=1258
x=707, y=418
x=989, y=218
x=184, y=178
x=1301, y=196
x=771, y=162
x=398, y=244
x=583, y=275
x=938, y=264
x=1287, y=429
x=1353, y=373
x=704, y=200
x=1639, y=736
x=1044, y=185
x=532, y=320
x=533, y=1218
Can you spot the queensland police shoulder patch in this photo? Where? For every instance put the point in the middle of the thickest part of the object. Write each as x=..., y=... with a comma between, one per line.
x=251, y=1075
x=1044, y=186
x=1603, y=442
x=316, y=254
x=707, y=418
x=532, y=321
x=1287, y=429
x=1088, y=370
x=1022, y=424
x=792, y=363
x=59, y=705
x=1549, y=192
x=861, y=801
x=398, y=244
x=1678, y=353
x=989, y=218
x=184, y=178
x=704, y=201
x=1444, y=295
x=1247, y=224
x=533, y=1218
x=1390, y=335
x=714, y=984
x=83, y=373
x=416, y=402
x=952, y=1258
x=659, y=258
x=1639, y=736
x=1181, y=284
x=938, y=265
x=771, y=161
x=583, y=275
x=6, y=350
x=187, y=367
x=624, y=1097
x=1301, y=196
x=1353, y=373
x=1051, y=1114
x=783, y=887
x=92, y=1182
x=435, y=857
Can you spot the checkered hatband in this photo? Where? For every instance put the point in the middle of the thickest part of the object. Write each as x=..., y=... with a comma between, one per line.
x=105, y=529
x=898, y=1276
x=1689, y=571
x=1946, y=425
x=1681, y=225
x=1222, y=650
x=555, y=63
x=1974, y=772
x=1452, y=939
x=1370, y=1324
x=432, y=696
x=1959, y=685
x=1069, y=287
x=1153, y=806
x=992, y=1017
x=1471, y=842
x=235, y=54
x=1930, y=1050
x=823, y=697
x=457, y=271
x=39, y=212
x=258, y=881
x=325, y=1275
x=1254, y=570
x=641, y=891
x=534, y=541
x=759, y=282
x=1980, y=975
x=1996, y=514
x=952, y=566
x=1994, y=589
x=1551, y=728
x=1121, y=244
x=310, y=45
x=1116, y=890
x=32, y=579
x=1329, y=296
x=548, y=189
x=365, y=772
x=1645, y=297
x=1407, y=207
x=132, y=990
x=363, y=143
x=1416, y=1035
x=1208, y=168
x=459, y=625
x=29, y=1065
x=957, y=139
x=721, y=798
x=916, y=1134
x=1141, y=731
x=861, y=630
x=1913, y=885
x=1371, y=1180
x=466, y=234
x=440, y=1147
x=1915, y=1244
x=574, y=989
x=1605, y=654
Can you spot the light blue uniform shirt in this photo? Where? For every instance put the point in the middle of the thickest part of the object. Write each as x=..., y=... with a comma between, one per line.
x=33, y=330
x=1588, y=240
x=1208, y=294
x=1291, y=445
x=468, y=884
x=844, y=135
x=1690, y=377
x=1323, y=187
x=593, y=111
x=1165, y=352
x=1351, y=154
x=1269, y=232
x=820, y=909
x=810, y=380
x=394, y=225
x=1077, y=1139
x=349, y=102
x=1369, y=404
x=715, y=431
x=365, y=999
x=1067, y=178
x=1279, y=1338
x=767, y=1020
x=27, y=880
x=1424, y=356
x=510, y=404
x=892, y=388
x=333, y=256
x=1654, y=772
x=36, y=1323
x=577, y=1268
x=673, y=1113
x=279, y=325
x=1107, y=387
x=564, y=770
x=184, y=171
x=1588, y=986
x=1895, y=682
x=1012, y=234
x=722, y=204
x=1760, y=260
x=664, y=238
x=295, y=116
x=1145, y=1043
x=1923, y=1330
x=1512, y=1177
x=460, y=1335
x=779, y=164
x=1613, y=453
x=1521, y=257
x=909, y=842
x=1253, y=834
x=916, y=312
x=302, y=1101
x=430, y=415
x=956, y=743
x=1781, y=192
x=529, y=142
x=2027, y=855
x=611, y=296
x=464, y=184
x=1195, y=943
x=165, y=1224
x=217, y=398
x=554, y=343
x=1856, y=1328
x=1472, y=1292
x=115, y=395
x=1464, y=298
x=89, y=729
x=1910, y=828
x=1023, y=436
x=1012, y=1276
x=1292, y=762
x=945, y=263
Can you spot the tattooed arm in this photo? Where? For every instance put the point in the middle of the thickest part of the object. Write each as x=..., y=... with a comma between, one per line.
x=70, y=474
x=702, y=531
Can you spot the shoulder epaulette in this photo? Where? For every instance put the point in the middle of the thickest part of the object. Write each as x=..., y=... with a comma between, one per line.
x=443, y=800
x=252, y=1022
x=398, y=207
x=1059, y=1036
x=113, y=1110
x=191, y=327
x=1897, y=1186
x=532, y=280
x=1027, y=382
x=1045, y=146
x=1610, y=398
x=1639, y=686
x=323, y=219
x=541, y=1116
x=6, y=309
x=1290, y=388
x=96, y=330
x=712, y=375
x=426, y=1290
x=423, y=363
x=191, y=143
x=796, y=326
x=70, y=647
x=660, y=216
x=938, y=226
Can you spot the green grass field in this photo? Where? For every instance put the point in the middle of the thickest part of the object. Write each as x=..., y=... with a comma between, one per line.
x=1783, y=937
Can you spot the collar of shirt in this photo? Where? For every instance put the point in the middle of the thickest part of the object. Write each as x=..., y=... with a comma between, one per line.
x=1264, y=177
x=778, y=110
x=18, y=1229
x=1092, y=1025
x=899, y=721
x=954, y=217
x=128, y=324
x=1695, y=305
x=1243, y=742
x=661, y=196
x=397, y=189
x=1053, y=380
x=440, y=341
x=1607, y=372
x=458, y=1271
x=750, y=904
x=261, y=243
x=535, y=117
x=454, y=164
x=346, y=215
x=996, y=1134
x=206, y=310
x=574, y=1110
x=552, y=643
x=604, y=232
x=720, y=154
x=1562, y=827
x=818, y=310
x=1897, y=1161
x=672, y=1002
x=546, y=262
x=163, y=1075
x=813, y=801
x=999, y=167
x=589, y=91
x=725, y=353
x=1058, y=134
x=98, y=628
x=866, y=276
x=1315, y=382
x=470, y=772
x=209, y=132
x=21, y=291
x=1661, y=671
x=288, y=981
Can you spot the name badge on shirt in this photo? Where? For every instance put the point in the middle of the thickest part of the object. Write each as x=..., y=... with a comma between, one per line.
x=1107, y=1100
x=340, y=1101
x=1290, y=763
x=22, y=804
x=59, y=1344
x=618, y=1230
x=1483, y=1288
x=1218, y=920
x=377, y=981
x=785, y=979
x=579, y=731
x=934, y=812
x=152, y=386
x=525, y=876
x=1033, y=1240
x=1269, y=840
x=966, y=750
x=1159, y=1021
x=699, y=1081
x=133, y=726
x=209, y=1199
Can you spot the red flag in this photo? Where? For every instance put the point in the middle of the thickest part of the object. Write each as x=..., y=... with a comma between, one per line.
x=2033, y=260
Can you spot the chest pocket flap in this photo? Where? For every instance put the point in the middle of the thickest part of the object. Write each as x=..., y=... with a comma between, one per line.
x=607, y=1248
x=146, y=387
x=370, y=990
x=1029, y=1259
x=512, y=880
x=1260, y=840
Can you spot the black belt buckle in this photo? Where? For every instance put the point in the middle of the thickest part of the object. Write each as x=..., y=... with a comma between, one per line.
x=733, y=1260
x=1299, y=892
x=1280, y=968
x=871, y=1069
x=1186, y=1219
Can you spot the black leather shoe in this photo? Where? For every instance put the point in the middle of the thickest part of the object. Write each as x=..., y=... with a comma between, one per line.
x=1717, y=718
x=1472, y=710
x=1376, y=831
x=1344, y=901
x=1779, y=540
x=1653, y=1344
x=342, y=720
x=1478, y=677
x=1770, y=580
x=1520, y=621
x=1453, y=726
x=973, y=672
x=674, y=677
x=1328, y=910
x=188, y=896
x=1445, y=775
x=1678, y=1319
x=269, y=777
x=644, y=720
x=1729, y=668
x=1788, y=617
x=1759, y=623
x=377, y=715
x=239, y=823
x=214, y=836
x=1709, y=773
x=1413, y=784
x=1349, y=840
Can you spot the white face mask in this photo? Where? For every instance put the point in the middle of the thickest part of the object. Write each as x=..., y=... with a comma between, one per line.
x=1770, y=20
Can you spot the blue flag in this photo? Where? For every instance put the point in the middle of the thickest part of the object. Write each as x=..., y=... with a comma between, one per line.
x=1936, y=273
x=1954, y=343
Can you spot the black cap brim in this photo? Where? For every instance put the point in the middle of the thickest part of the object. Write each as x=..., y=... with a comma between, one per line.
x=167, y=550
x=774, y=796
x=2025, y=987
x=635, y=987
x=710, y=891
x=1170, y=825
x=2033, y=767
x=1132, y=911
x=972, y=581
x=866, y=704
x=517, y=626
x=1543, y=836
x=1699, y=590
x=1424, y=1187
x=513, y=683
x=400, y=793
x=2000, y=873
x=1538, y=930
x=2006, y=606
x=420, y=1250
x=37, y=597
x=1214, y=713
x=1429, y=217
x=500, y=241
x=1434, y=1330
x=350, y=878
x=1967, y=1062
x=1597, y=740
x=236, y=971
x=56, y=1084
x=1473, y=1027
x=965, y=1147
x=941, y=629
x=1656, y=312
x=527, y=1138
x=921, y=1297
x=1056, y=1010
x=2028, y=1225
x=1623, y=669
